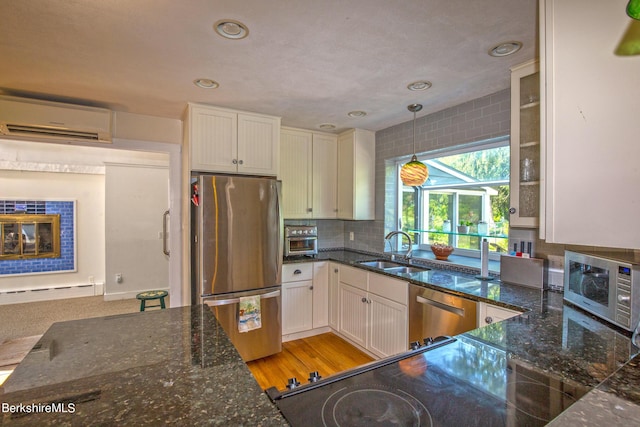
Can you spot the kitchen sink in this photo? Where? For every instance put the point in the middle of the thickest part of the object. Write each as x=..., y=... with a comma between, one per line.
x=381, y=264
x=404, y=269
x=393, y=267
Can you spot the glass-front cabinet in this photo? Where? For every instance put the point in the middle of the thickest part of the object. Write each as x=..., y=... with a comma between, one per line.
x=29, y=236
x=525, y=145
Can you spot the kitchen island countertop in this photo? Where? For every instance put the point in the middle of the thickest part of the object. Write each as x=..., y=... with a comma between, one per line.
x=173, y=366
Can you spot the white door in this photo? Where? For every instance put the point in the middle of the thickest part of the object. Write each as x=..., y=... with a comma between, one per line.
x=320, y=294
x=388, y=332
x=213, y=140
x=295, y=173
x=258, y=144
x=297, y=302
x=325, y=176
x=353, y=314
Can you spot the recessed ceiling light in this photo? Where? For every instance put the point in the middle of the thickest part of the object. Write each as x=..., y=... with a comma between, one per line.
x=504, y=49
x=419, y=85
x=357, y=113
x=231, y=29
x=206, y=83
x=326, y=126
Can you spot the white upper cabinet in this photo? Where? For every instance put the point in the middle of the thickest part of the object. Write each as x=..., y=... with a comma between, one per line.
x=308, y=162
x=229, y=141
x=356, y=174
x=590, y=117
x=525, y=145
x=325, y=179
x=295, y=167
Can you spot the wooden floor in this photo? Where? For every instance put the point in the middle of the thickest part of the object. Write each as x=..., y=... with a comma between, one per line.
x=12, y=352
x=326, y=353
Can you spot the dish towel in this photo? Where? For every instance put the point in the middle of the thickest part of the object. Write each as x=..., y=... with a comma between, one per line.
x=249, y=314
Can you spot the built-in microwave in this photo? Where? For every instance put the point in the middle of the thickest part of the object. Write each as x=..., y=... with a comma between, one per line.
x=606, y=287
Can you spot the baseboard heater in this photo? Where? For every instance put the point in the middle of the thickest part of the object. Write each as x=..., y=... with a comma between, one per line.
x=51, y=293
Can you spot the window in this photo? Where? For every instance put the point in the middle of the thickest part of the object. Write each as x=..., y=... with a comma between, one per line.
x=466, y=186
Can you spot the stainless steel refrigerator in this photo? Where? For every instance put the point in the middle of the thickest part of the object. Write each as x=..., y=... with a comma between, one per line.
x=237, y=244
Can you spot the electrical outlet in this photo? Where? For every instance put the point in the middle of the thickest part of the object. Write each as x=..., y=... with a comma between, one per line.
x=351, y=236
x=91, y=280
x=118, y=277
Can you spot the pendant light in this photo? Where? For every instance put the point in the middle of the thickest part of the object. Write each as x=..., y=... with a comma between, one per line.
x=414, y=173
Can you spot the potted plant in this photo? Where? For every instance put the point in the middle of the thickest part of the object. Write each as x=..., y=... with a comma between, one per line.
x=463, y=228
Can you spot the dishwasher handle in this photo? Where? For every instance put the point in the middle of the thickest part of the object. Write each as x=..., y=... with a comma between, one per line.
x=442, y=306
x=229, y=301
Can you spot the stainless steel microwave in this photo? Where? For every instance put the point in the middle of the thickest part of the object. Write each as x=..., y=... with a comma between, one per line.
x=606, y=287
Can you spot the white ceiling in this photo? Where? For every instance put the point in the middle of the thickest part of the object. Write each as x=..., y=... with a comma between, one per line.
x=307, y=61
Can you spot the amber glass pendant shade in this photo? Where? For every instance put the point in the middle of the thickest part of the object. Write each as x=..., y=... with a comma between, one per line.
x=414, y=173
x=633, y=9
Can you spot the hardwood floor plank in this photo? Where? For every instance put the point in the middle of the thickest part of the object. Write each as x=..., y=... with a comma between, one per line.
x=326, y=353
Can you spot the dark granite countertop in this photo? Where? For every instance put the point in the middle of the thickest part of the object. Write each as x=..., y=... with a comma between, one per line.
x=178, y=366
x=173, y=366
x=550, y=337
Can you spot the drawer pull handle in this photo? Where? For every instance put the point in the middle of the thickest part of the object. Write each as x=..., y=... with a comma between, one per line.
x=297, y=272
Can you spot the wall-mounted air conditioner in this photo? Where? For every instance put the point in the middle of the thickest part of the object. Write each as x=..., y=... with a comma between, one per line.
x=36, y=120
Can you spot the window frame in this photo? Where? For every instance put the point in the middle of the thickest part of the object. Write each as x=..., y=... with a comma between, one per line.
x=423, y=198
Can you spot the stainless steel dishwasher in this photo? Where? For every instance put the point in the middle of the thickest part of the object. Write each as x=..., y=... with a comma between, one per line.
x=433, y=313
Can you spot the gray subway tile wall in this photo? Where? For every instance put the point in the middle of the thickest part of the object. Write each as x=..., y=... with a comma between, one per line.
x=476, y=120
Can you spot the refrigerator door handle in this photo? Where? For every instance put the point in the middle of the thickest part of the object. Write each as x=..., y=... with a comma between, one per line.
x=165, y=248
x=229, y=301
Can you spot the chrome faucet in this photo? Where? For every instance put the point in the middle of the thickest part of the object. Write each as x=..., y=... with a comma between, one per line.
x=395, y=233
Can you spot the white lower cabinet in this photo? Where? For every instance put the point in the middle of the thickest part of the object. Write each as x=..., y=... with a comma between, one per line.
x=320, y=294
x=388, y=327
x=353, y=314
x=297, y=300
x=334, y=301
x=305, y=299
x=373, y=311
x=488, y=314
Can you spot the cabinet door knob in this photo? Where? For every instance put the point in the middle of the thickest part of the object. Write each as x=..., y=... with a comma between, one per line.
x=512, y=210
x=488, y=320
x=310, y=288
x=309, y=210
x=335, y=270
x=234, y=161
x=240, y=162
x=364, y=299
x=297, y=272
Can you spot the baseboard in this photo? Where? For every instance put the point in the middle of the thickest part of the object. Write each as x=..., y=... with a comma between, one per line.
x=51, y=293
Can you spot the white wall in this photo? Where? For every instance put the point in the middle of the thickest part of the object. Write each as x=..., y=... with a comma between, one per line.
x=88, y=191
x=136, y=198
x=30, y=170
